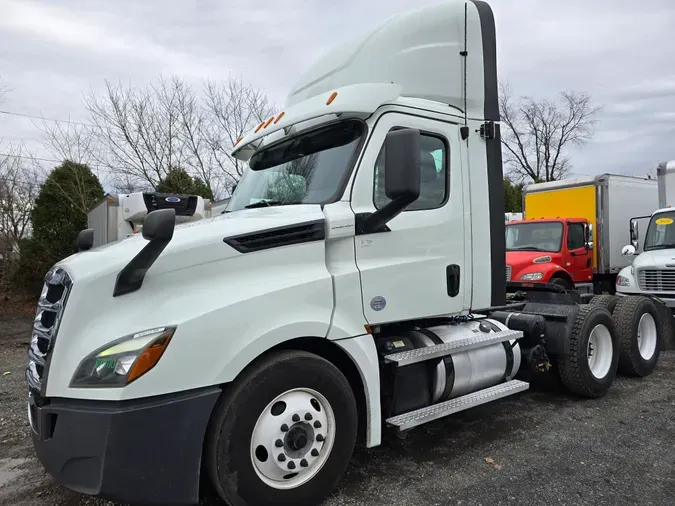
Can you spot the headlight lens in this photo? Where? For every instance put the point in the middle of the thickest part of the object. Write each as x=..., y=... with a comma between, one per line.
x=123, y=361
x=532, y=276
x=622, y=281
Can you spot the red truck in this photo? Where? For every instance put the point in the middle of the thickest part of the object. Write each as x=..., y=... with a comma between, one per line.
x=577, y=230
x=548, y=250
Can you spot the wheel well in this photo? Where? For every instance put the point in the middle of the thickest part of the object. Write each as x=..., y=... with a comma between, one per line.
x=563, y=275
x=334, y=354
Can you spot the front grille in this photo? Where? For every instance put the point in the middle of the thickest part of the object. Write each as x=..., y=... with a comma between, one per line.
x=508, y=273
x=657, y=280
x=45, y=327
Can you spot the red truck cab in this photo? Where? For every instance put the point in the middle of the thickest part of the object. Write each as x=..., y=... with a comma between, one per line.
x=550, y=250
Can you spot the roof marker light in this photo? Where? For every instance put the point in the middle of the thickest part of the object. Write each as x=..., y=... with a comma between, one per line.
x=262, y=124
x=269, y=121
x=279, y=117
x=238, y=141
x=331, y=98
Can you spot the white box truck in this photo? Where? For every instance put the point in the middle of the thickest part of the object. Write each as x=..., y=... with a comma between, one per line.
x=357, y=281
x=118, y=216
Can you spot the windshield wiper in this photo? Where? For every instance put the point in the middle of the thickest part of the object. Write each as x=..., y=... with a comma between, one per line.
x=269, y=203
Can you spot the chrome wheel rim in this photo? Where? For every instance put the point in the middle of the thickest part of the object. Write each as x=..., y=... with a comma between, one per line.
x=293, y=438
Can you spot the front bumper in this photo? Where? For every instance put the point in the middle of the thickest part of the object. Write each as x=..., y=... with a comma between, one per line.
x=668, y=300
x=141, y=451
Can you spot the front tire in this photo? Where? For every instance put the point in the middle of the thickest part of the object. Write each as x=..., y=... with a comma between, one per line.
x=283, y=434
x=640, y=337
x=590, y=366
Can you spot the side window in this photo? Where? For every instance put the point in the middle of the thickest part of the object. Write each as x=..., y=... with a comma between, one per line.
x=575, y=236
x=435, y=175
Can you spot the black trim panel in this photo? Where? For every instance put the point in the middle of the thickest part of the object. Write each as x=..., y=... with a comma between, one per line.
x=144, y=451
x=493, y=149
x=277, y=237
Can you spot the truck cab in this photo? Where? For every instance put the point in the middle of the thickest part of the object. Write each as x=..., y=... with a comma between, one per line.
x=550, y=251
x=652, y=271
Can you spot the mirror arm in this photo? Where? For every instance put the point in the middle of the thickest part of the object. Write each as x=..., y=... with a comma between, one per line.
x=377, y=222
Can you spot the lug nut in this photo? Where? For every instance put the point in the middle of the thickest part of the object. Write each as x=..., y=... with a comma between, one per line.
x=315, y=452
x=281, y=457
x=278, y=443
x=319, y=438
x=303, y=463
x=317, y=424
x=296, y=418
x=308, y=416
x=291, y=465
x=284, y=428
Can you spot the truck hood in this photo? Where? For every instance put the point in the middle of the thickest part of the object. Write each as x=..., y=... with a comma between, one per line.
x=656, y=259
x=193, y=243
x=523, y=258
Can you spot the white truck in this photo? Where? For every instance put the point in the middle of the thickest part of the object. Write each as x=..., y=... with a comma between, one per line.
x=356, y=282
x=652, y=271
x=118, y=216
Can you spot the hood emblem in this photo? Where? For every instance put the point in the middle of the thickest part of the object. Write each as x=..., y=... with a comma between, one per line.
x=172, y=199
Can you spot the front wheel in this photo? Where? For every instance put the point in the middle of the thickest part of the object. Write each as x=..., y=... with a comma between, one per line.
x=283, y=434
x=590, y=366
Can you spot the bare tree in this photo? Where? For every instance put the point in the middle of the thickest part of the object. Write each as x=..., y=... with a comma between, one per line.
x=234, y=108
x=19, y=185
x=136, y=135
x=538, y=133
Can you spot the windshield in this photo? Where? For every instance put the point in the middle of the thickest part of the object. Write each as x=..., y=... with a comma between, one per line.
x=535, y=236
x=661, y=232
x=309, y=169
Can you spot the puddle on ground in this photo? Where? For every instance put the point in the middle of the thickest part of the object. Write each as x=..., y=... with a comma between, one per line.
x=9, y=470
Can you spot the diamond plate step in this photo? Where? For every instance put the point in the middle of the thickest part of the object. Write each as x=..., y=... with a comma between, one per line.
x=440, y=350
x=414, y=418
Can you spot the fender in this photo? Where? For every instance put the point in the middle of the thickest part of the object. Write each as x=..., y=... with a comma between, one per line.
x=547, y=269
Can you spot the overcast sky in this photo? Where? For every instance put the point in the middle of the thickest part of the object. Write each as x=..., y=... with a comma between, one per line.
x=619, y=51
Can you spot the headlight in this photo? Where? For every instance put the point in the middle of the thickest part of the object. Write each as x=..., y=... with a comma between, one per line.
x=532, y=276
x=622, y=281
x=123, y=361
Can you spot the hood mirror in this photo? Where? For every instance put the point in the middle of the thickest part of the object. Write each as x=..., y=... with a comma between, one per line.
x=85, y=239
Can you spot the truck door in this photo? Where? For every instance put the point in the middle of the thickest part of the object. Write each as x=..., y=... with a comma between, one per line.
x=580, y=260
x=416, y=268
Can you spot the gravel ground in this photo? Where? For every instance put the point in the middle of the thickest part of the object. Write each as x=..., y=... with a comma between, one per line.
x=536, y=448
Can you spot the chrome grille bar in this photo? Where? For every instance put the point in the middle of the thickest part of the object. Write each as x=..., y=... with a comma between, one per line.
x=45, y=327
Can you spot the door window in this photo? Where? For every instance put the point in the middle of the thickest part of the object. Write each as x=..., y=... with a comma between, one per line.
x=434, y=182
x=576, y=236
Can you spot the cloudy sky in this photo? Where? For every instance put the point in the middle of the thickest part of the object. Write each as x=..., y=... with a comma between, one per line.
x=619, y=51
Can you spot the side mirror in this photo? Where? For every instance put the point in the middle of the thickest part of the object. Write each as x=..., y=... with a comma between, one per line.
x=628, y=251
x=634, y=234
x=158, y=230
x=85, y=239
x=402, y=165
x=589, y=233
x=402, y=178
x=158, y=225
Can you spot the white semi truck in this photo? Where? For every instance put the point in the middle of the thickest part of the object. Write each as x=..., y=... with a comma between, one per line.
x=356, y=282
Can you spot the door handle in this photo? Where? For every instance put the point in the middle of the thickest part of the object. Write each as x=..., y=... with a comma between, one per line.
x=452, y=278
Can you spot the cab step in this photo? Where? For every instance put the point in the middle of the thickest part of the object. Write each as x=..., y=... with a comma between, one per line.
x=441, y=350
x=418, y=417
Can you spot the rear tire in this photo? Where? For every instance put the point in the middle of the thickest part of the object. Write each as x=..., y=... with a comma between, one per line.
x=590, y=366
x=291, y=403
x=607, y=301
x=640, y=335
